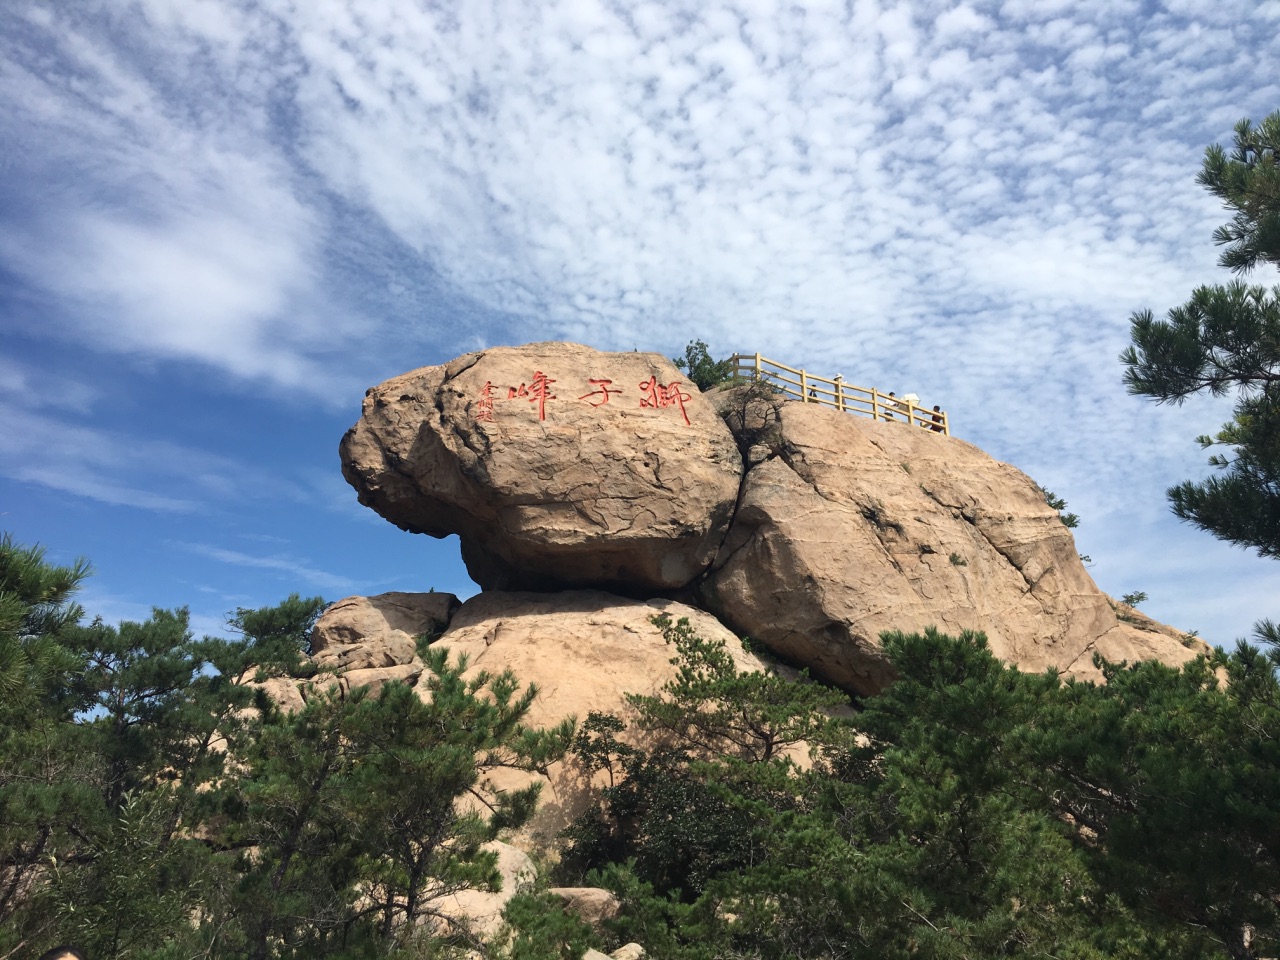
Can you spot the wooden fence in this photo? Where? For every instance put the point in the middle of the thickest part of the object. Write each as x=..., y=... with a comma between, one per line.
x=867, y=401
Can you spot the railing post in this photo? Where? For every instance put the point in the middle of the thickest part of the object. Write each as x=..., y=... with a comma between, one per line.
x=882, y=406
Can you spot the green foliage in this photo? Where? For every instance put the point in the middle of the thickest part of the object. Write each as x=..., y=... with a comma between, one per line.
x=35, y=610
x=1248, y=182
x=702, y=370
x=1226, y=340
x=969, y=811
x=142, y=884
x=539, y=928
x=1069, y=520
x=1133, y=599
x=957, y=560
x=276, y=638
x=721, y=736
x=355, y=801
x=126, y=829
x=713, y=707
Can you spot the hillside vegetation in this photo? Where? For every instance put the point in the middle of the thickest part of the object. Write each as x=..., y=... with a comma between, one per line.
x=154, y=803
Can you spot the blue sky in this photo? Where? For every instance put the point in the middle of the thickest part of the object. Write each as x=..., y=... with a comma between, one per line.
x=221, y=221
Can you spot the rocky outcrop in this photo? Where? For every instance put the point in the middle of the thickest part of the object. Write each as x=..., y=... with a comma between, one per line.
x=590, y=490
x=480, y=911
x=593, y=905
x=361, y=633
x=628, y=951
x=848, y=527
x=584, y=650
x=557, y=465
x=810, y=530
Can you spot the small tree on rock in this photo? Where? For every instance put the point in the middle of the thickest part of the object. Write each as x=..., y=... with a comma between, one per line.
x=702, y=370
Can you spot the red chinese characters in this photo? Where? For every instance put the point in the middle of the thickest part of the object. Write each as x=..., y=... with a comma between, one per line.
x=539, y=392
x=654, y=395
x=603, y=390
x=484, y=406
x=659, y=395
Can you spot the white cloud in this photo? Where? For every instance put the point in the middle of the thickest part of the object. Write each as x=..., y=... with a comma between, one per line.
x=166, y=228
x=41, y=390
x=961, y=20
x=968, y=198
x=296, y=570
x=121, y=469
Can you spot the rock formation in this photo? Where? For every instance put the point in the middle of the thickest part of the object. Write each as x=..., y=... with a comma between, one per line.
x=557, y=465
x=848, y=527
x=584, y=650
x=808, y=529
x=592, y=491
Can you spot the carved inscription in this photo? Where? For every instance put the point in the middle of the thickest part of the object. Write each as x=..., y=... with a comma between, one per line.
x=539, y=393
x=653, y=396
x=659, y=395
x=484, y=406
x=603, y=390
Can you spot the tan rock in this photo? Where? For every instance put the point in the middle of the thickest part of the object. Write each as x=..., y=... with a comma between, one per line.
x=848, y=527
x=592, y=905
x=480, y=910
x=1137, y=637
x=364, y=632
x=375, y=677
x=585, y=650
x=557, y=465
x=286, y=693
x=629, y=951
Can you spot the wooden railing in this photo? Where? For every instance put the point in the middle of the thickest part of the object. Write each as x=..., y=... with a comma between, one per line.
x=867, y=401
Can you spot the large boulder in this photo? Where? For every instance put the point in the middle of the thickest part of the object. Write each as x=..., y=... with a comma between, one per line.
x=848, y=527
x=365, y=633
x=557, y=465
x=585, y=650
x=480, y=911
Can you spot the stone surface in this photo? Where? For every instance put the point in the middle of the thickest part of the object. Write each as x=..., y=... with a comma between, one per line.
x=585, y=650
x=592, y=905
x=612, y=472
x=481, y=910
x=286, y=693
x=848, y=527
x=366, y=632
x=375, y=677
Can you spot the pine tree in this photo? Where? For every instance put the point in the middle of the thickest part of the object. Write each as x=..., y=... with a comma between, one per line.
x=702, y=370
x=45, y=772
x=1226, y=341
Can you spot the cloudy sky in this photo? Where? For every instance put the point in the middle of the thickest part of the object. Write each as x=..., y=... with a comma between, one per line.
x=222, y=220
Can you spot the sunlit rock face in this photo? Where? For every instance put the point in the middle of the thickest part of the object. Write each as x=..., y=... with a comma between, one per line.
x=848, y=527
x=810, y=530
x=557, y=465
x=367, y=632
